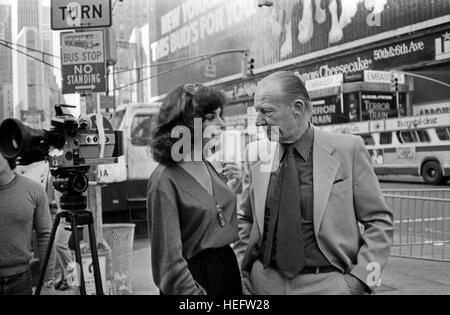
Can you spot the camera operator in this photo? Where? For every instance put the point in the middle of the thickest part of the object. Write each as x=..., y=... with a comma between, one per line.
x=23, y=207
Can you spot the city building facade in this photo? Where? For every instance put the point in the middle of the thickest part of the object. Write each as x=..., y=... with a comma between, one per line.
x=33, y=85
x=132, y=25
x=316, y=40
x=128, y=15
x=6, y=101
x=30, y=80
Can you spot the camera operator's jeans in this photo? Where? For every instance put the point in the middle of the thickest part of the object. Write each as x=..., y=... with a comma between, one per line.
x=16, y=285
x=63, y=253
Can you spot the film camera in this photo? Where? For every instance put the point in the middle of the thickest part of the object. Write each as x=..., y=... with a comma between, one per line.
x=87, y=141
x=75, y=144
x=70, y=147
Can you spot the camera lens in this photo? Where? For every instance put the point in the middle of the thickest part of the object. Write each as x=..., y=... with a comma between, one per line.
x=12, y=140
x=16, y=139
x=15, y=145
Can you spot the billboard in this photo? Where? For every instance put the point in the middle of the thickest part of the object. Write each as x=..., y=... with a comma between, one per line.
x=327, y=111
x=290, y=29
x=378, y=106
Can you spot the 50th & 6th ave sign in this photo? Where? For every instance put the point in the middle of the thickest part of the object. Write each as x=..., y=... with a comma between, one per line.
x=83, y=62
x=79, y=14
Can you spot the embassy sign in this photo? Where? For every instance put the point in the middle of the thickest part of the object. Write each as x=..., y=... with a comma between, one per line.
x=80, y=14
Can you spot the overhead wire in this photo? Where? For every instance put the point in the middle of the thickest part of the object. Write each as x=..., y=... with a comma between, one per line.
x=29, y=48
x=30, y=56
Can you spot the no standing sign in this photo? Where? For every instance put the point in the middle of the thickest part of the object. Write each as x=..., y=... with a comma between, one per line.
x=83, y=62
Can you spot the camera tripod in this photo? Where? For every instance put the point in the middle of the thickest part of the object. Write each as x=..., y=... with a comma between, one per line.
x=73, y=182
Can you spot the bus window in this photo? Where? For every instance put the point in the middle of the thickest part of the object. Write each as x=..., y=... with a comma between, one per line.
x=386, y=138
x=423, y=136
x=399, y=138
x=443, y=134
x=368, y=139
x=141, y=130
x=407, y=137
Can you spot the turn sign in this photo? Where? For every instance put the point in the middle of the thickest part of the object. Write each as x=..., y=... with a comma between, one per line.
x=78, y=14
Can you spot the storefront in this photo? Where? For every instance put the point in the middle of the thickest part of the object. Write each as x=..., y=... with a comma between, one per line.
x=374, y=97
x=367, y=90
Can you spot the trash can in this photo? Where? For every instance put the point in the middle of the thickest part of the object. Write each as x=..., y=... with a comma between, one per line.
x=120, y=238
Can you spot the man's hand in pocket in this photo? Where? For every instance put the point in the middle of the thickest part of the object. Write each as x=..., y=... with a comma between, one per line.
x=247, y=287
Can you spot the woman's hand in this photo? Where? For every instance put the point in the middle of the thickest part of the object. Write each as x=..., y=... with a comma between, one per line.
x=233, y=172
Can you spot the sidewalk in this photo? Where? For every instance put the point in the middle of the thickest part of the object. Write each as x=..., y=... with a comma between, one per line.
x=416, y=277
x=401, y=276
x=142, y=279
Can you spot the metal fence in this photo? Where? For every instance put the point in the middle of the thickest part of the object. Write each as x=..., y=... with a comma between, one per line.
x=427, y=193
x=422, y=224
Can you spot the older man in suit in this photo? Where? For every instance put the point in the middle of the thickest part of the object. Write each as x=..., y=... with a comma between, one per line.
x=299, y=217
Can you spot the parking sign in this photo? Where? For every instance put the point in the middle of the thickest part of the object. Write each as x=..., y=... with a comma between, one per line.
x=83, y=62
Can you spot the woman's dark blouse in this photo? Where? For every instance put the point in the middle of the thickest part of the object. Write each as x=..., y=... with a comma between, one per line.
x=183, y=222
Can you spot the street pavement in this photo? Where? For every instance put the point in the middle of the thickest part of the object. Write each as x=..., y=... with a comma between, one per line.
x=416, y=277
x=401, y=276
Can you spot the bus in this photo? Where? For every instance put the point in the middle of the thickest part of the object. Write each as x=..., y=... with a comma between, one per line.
x=417, y=146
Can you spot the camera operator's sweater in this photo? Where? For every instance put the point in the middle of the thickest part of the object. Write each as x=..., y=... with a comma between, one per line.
x=23, y=207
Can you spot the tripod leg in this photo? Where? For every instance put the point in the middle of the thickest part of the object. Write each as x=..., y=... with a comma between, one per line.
x=78, y=254
x=48, y=254
x=95, y=262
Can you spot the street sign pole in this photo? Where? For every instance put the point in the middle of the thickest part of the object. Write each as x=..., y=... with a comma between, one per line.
x=84, y=60
x=83, y=103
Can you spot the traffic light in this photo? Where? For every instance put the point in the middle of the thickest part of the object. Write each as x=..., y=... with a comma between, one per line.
x=248, y=66
x=394, y=84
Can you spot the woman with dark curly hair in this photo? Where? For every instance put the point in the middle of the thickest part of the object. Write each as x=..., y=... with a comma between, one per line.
x=191, y=210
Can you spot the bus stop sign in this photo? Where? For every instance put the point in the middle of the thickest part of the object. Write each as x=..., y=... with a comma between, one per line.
x=83, y=62
x=79, y=14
